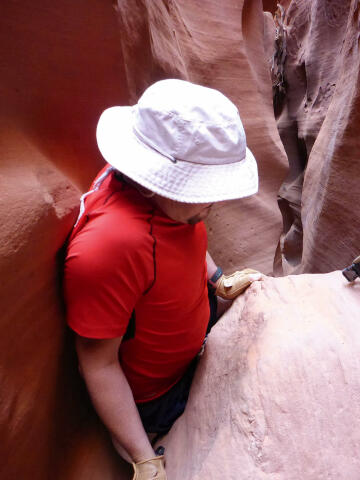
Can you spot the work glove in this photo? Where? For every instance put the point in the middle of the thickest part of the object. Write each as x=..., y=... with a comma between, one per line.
x=152, y=469
x=230, y=286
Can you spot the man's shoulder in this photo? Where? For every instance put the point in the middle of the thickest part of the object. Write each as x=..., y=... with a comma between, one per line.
x=124, y=231
x=113, y=229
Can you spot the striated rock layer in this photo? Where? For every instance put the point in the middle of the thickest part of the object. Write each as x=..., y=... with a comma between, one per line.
x=277, y=392
x=317, y=105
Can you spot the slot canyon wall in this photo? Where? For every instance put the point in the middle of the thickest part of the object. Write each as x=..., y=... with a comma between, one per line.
x=61, y=65
x=316, y=79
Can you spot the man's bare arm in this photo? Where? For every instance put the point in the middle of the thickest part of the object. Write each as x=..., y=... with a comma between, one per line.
x=211, y=265
x=111, y=395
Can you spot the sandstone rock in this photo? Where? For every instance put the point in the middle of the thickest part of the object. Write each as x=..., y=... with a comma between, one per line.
x=277, y=392
x=318, y=120
x=47, y=426
x=61, y=66
x=55, y=81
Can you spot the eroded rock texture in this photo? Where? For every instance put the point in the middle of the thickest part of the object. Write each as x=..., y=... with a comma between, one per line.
x=277, y=392
x=55, y=81
x=317, y=105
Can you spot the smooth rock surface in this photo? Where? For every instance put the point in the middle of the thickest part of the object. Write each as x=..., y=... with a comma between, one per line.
x=61, y=66
x=277, y=393
x=55, y=81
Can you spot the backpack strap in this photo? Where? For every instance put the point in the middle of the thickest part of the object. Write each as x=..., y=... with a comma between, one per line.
x=96, y=187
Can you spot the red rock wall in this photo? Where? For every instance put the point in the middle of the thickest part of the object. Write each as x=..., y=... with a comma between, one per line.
x=318, y=118
x=55, y=81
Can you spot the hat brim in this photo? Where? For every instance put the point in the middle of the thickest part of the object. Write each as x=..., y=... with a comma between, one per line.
x=181, y=181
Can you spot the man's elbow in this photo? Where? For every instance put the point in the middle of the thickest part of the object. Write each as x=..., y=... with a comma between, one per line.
x=95, y=355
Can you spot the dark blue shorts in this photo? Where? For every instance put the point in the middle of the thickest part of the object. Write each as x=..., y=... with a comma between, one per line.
x=159, y=415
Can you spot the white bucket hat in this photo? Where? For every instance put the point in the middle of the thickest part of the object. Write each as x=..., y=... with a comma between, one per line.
x=182, y=141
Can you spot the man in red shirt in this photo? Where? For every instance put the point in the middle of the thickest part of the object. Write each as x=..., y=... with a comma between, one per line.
x=137, y=269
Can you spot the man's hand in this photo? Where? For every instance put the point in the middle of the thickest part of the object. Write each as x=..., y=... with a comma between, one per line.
x=152, y=469
x=230, y=286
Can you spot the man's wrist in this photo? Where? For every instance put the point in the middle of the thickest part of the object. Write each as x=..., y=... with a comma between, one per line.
x=144, y=454
x=215, y=277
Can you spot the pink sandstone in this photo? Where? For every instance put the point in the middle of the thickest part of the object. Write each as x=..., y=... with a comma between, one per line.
x=277, y=392
x=318, y=119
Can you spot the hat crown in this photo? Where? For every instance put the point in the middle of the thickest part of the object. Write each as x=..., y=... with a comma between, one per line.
x=190, y=123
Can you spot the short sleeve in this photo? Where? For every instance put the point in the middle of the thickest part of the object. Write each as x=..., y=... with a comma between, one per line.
x=106, y=272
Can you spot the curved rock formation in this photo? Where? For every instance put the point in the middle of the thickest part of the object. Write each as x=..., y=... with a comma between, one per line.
x=55, y=81
x=317, y=104
x=277, y=392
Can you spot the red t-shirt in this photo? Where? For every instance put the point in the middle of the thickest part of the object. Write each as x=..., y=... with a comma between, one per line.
x=126, y=255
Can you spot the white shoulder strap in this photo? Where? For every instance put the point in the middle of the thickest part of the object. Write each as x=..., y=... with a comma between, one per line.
x=97, y=185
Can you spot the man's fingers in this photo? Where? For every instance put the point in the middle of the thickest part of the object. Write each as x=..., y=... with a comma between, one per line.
x=230, y=286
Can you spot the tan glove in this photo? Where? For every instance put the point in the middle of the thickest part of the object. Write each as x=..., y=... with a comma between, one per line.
x=230, y=286
x=152, y=469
